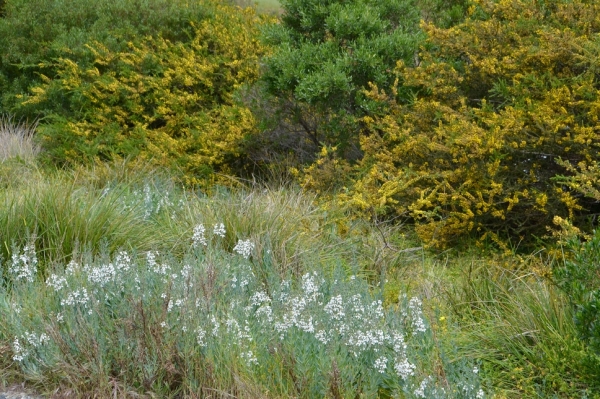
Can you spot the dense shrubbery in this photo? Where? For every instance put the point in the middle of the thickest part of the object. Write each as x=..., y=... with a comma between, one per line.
x=500, y=98
x=469, y=136
x=579, y=275
x=168, y=102
x=34, y=32
x=128, y=91
x=324, y=55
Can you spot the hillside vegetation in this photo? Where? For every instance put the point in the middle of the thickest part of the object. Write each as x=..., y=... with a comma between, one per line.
x=310, y=199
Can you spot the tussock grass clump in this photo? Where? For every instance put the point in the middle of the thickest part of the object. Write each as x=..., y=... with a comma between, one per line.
x=16, y=140
x=60, y=219
x=132, y=206
x=521, y=327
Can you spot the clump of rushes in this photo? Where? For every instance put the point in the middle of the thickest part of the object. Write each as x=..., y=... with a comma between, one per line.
x=63, y=218
x=523, y=330
x=217, y=320
x=16, y=139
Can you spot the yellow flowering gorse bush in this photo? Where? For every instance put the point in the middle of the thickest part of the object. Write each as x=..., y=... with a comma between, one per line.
x=499, y=99
x=171, y=103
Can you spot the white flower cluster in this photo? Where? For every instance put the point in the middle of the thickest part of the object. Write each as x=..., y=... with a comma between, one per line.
x=198, y=238
x=361, y=341
x=113, y=272
x=470, y=390
x=186, y=271
x=414, y=313
x=404, y=368
x=249, y=358
x=381, y=364
x=122, y=261
x=310, y=286
x=312, y=309
x=299, y=306
x=261, y=302
x=428, y=389
x=420, y=391
x=24, y=264
x=335, y=308
x=201, y=336
x=178, y=303
x=57, y=282
x=216, y=325
x=79, y=297
x=219, y=230
x=162, y=269
x=258, y=298
x=72, y=268
x=242, y=277
x=357, y=322
x=20, y=353
x=101, y=275
x=244, y=248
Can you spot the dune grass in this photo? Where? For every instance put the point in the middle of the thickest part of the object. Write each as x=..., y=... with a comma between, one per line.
x=158, y=280
x=16, y=139
x=120, y=289
x=521, y=327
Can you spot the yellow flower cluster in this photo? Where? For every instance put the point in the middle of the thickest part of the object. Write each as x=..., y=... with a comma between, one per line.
x=170, y=103
x=499, y=100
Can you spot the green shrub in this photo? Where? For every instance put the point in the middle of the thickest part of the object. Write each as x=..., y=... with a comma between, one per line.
x=324, y=54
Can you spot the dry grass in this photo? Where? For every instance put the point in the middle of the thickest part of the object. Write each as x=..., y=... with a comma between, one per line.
x=16, y=139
